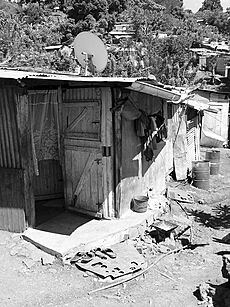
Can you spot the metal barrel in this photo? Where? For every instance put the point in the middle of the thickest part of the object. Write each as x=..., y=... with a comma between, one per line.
x=213, y=156
x=201, y=174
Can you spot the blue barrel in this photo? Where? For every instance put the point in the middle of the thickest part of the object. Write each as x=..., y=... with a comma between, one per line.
x=201, y=174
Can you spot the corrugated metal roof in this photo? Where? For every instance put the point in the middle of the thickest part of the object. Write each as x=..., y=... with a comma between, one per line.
x=154, y=90
x=199, y=105
x=19, y=74
x=136, y=84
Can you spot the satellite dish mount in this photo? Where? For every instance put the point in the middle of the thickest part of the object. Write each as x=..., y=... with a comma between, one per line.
x=88, y=63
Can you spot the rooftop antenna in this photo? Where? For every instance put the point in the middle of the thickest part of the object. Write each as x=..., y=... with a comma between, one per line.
x=90, y=52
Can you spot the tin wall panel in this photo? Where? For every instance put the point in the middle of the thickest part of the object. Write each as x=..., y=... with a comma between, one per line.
x=81, y=94
x=9, y=137
x=191, y=138
x=12, y=199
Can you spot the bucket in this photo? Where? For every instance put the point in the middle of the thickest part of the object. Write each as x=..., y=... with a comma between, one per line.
x=139, y=203
x=213, y=156
x=201, y=174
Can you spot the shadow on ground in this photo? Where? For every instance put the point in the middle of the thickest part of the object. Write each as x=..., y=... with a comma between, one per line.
x=210, y=294
x=217, y=219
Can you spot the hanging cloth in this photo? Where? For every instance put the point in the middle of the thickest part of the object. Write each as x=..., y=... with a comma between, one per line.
x=44, y=125
x=142, y=124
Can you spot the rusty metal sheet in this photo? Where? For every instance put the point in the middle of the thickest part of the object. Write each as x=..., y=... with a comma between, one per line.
x=12, y=200
x=127, y=261
x=179, y=195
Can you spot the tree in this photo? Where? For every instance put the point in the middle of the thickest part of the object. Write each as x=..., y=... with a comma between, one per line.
x=171, y=5
x=22, y=43
x=212, y=14
x=83, y=11
x=211, y=5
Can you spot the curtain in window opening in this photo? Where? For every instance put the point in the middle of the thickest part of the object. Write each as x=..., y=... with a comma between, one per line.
x=44, y=125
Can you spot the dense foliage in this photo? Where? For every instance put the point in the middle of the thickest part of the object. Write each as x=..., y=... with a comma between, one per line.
x=28, y=27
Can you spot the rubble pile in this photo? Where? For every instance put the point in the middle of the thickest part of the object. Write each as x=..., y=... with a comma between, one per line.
x=167, y=234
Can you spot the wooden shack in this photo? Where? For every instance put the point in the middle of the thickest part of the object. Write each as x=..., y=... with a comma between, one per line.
x=71, y=137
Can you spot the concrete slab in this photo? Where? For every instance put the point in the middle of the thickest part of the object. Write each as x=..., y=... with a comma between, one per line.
x=87, y=233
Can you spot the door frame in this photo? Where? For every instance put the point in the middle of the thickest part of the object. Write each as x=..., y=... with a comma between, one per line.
x=106, y=150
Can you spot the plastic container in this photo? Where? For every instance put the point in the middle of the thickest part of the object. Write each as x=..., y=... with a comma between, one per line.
x=201, y=174
x=139, y=203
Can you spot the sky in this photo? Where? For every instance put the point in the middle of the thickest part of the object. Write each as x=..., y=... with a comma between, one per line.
x=194, y=5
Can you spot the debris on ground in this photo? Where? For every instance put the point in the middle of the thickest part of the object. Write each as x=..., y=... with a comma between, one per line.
x=179, y=195
x=138, y=273
x=30, y=254
x=205, y=295
x=47, y=259
x=158, y=203
x=119, y=260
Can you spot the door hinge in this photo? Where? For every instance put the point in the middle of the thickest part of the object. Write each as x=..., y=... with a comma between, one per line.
x=106, y=151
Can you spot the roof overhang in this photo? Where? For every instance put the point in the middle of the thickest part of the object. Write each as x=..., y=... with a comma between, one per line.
x=146, y=88
x=200, y=106
x=30, y=75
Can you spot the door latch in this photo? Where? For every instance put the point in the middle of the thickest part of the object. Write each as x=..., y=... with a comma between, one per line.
x=106, y=151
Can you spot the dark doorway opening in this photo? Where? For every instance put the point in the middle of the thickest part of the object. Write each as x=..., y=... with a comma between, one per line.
x=48, y=189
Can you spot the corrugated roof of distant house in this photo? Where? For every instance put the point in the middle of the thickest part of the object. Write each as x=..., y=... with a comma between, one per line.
x=53, y=47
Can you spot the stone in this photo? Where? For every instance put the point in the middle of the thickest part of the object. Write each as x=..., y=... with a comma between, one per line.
x=163, y=248
x=47, y=259
x=226, y=266
x=29, y=263
x=133, y=232
x=20, y=251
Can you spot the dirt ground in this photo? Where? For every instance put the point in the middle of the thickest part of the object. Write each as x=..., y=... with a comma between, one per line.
x=56, y=285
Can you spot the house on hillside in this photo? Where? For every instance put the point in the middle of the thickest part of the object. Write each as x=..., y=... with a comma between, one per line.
x=215, y=120
x=96, y=142
x=123, y=30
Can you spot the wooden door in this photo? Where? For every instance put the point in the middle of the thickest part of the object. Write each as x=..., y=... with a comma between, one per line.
x=87, y=184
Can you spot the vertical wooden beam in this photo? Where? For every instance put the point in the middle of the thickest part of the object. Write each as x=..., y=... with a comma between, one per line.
x=106, y=140
x=117, y=144
x=61, y=140
x=24, y=126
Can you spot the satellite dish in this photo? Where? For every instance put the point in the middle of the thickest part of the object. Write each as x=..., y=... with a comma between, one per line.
x=90, y=52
